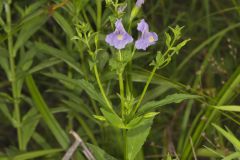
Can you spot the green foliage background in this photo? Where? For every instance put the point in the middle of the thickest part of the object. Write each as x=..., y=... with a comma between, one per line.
x=47, y=89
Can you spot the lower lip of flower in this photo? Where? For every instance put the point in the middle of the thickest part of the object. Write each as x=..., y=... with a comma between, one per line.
x=151, y=39
x=120, y=37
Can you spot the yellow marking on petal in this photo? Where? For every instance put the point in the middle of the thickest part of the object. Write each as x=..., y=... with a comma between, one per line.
x=120, y=37
x=151, y=39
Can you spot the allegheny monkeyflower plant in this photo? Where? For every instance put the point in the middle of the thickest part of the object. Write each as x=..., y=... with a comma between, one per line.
x=132, y=117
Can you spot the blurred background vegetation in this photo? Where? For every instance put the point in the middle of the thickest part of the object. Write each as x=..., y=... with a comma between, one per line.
x=43, y=96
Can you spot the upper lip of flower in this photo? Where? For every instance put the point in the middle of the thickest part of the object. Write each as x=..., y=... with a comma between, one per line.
x=119, y=38
x=147, y=38
x=139, y=3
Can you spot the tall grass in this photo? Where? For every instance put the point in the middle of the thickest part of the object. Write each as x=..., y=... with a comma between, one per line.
x=51, y=83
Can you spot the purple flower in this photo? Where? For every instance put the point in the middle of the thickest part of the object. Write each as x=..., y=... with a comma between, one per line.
x=119, y=38
x=147, y=38
x=139, y=3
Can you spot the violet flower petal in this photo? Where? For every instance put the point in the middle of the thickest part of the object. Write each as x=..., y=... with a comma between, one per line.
x=147, y=38
x=139, y=3
x=143, y=26
x=119, y=38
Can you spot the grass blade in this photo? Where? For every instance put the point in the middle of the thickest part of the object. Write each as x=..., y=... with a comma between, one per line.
x=174, y=98
x=36, y=154
x=230, y=137
x=42, y=107
x=231, y=108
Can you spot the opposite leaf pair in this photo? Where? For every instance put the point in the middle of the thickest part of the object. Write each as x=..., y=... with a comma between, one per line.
x=120, y=38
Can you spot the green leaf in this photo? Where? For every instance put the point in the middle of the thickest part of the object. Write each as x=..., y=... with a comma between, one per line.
x=82, y=84
x=1, y=6
x=174, y=98
x=26, y=59
x=231, y=108
x=40, y=140
x=229, y=136
x=28, y=29
x=159, y=59
x=4, y=109
x=203, y=44
x=49, y=119
x=113, y=118
x=137, y=136
x=29, y=124
x=36, y=154
x=4, y=61
x=114, y=64
x=232, y=156
x=79, y=107
x=168, y=39
x=102, y=59
x=100, y=118
x=91, y=91
x=3, y=157
x=169, y=157
x=66, y=27
x=63, y=55
x=177, y=32
x=34, y=8
x=150, y=114
x=85, y=127
x=80, y=5
x=141, y=75
x=209, y=152
x=99, y=154
x=134, y=123
x=92, y=12
x=181, y=44
x=45, y=64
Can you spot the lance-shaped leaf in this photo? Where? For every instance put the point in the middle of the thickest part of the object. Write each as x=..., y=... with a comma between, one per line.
x=174, y=98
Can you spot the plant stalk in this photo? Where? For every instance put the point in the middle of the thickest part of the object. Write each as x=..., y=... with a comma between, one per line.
x=101, y=87
x=134, y=110
x=121, y=85
x=125, y=141
x=122, y=97
x=99, y=14
x=12, y=77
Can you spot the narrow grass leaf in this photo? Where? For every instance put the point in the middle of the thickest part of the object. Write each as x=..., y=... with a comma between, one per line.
x=4, y=61
x=28, y=29
x=49, y=119
x=29, y=124
x=209, y=152
x=99, y=153
x=229, y=136
x=231, y=108
x=36, y=154
x=232, y=156
x=45, y=64
x=174, y=98
x=4, y=109
x=206, y=42
x=78, y=108
x=64, y=24
x=82, y=84
x=63, y=55
x=40, y=140
x=86, y=128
